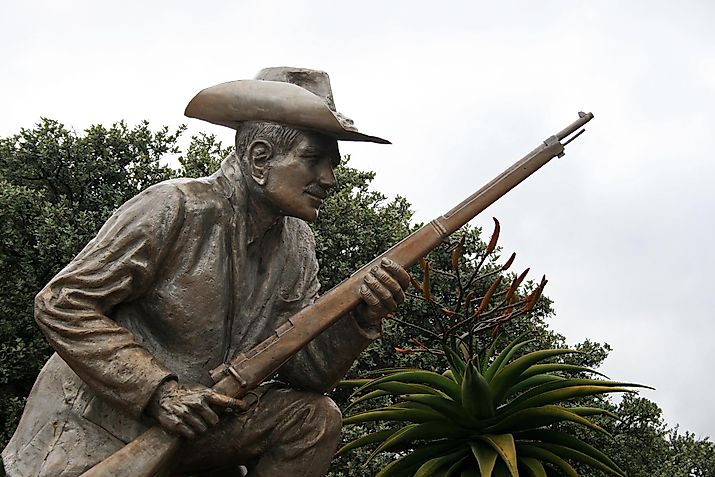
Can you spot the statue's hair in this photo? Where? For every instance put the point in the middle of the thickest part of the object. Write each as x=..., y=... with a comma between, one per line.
x=283, y=138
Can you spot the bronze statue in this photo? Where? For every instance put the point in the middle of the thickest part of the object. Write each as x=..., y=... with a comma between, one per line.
x=187, y=274
x=231, y=249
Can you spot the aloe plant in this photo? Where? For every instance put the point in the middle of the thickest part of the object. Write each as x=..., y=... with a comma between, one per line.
x=485, y=416
x=488, y=414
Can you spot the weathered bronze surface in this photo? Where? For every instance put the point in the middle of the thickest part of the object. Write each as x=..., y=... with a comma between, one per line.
x=232, y=250
x=184, y=276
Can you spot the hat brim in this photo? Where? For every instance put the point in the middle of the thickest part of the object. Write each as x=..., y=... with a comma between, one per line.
x=230, y=104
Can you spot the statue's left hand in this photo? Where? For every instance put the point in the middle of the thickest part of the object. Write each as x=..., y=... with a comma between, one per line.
x=186, y=409
x=382, y=291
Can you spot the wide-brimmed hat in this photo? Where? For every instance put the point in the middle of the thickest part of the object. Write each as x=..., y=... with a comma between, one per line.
x=296, y=97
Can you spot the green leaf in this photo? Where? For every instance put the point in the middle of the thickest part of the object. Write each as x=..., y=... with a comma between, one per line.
x=441, y=383
x=552, y=385
x=454, y=468
x=399, y=388
x=560, y=395
x=476, y=394
x=366, y=397
x=538, y=417
x=563, y=439
x=533, y=467
x=569, y=453
x=392, y=413
x=503, y=444
x=558, y=367
x=546, y=456
x=486, y=457
x=532, y=382
x=456, y=364
x=510, y=374
x=448, y=408
x=423, y=431
x=505, y=355
x=415, y=459
x=430, y=468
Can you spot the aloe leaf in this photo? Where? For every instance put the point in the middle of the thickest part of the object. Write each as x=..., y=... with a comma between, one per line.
x=442, y=383
x=552, y=385
x=366, y=397
x=393, y=414
x=567, y=440
x=533, y=467
x=546, y=456
x=503, y=444
x=456, y=364
x=477, y=397
x=366, y=440
x=501, y=470
x=555, y=396
x=505, y=355
x=448, y=408
x=454, y=468
x=398, y=388
x=536, y=417
x=423, y=431
x=509, y=374
x=415, y=459
x=532, y=382
x=486, y=457
x=569, y=453
x=351, y=383
x=564, y=394
x=430, y=468
x=558, y=367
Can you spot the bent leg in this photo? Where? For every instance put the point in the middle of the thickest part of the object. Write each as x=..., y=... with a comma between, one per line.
x=287, y=432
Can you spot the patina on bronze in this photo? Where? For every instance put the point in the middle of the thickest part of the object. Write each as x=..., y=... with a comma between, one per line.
x=189, y=273
x=148, y=454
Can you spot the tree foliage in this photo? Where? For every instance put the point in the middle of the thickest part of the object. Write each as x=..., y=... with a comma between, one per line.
x=58, y=186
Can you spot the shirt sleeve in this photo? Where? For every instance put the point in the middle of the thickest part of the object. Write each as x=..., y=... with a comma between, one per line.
x=118, y=265
x=325, y=360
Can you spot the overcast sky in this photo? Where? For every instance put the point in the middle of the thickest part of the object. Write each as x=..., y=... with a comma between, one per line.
x=622, y=225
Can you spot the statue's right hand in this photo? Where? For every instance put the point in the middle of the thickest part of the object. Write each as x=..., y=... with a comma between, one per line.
x=186, y=409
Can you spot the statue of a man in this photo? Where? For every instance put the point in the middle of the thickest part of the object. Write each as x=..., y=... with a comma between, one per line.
x=188, y=273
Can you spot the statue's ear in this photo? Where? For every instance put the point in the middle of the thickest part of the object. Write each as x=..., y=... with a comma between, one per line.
x=259, y=153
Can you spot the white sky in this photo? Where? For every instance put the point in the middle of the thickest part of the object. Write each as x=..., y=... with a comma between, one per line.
x=621, y=225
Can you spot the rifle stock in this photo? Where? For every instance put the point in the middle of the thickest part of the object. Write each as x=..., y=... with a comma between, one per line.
x=149, y=453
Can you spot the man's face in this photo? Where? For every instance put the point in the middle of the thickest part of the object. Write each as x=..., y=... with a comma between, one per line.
x=298, y=180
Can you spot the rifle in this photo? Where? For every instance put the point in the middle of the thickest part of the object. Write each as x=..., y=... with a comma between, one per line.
x=149, y=453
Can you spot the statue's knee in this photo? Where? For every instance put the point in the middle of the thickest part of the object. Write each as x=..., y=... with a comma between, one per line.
x=324, y=417
x=333, y=416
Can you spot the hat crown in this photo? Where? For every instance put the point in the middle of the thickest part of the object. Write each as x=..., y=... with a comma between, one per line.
x=315, y=81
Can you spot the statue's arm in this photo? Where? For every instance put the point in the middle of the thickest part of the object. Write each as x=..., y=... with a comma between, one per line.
x=325, y=360
x=118, y=265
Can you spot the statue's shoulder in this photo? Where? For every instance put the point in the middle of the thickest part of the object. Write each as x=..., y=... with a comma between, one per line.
x=187, y=193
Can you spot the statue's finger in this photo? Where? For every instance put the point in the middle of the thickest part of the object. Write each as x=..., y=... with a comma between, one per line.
x=396, y=270
x=391, y=283
x=381, y=291
x=206, y=413
x=174, y=424
x=368, y=297
x=192, y=420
